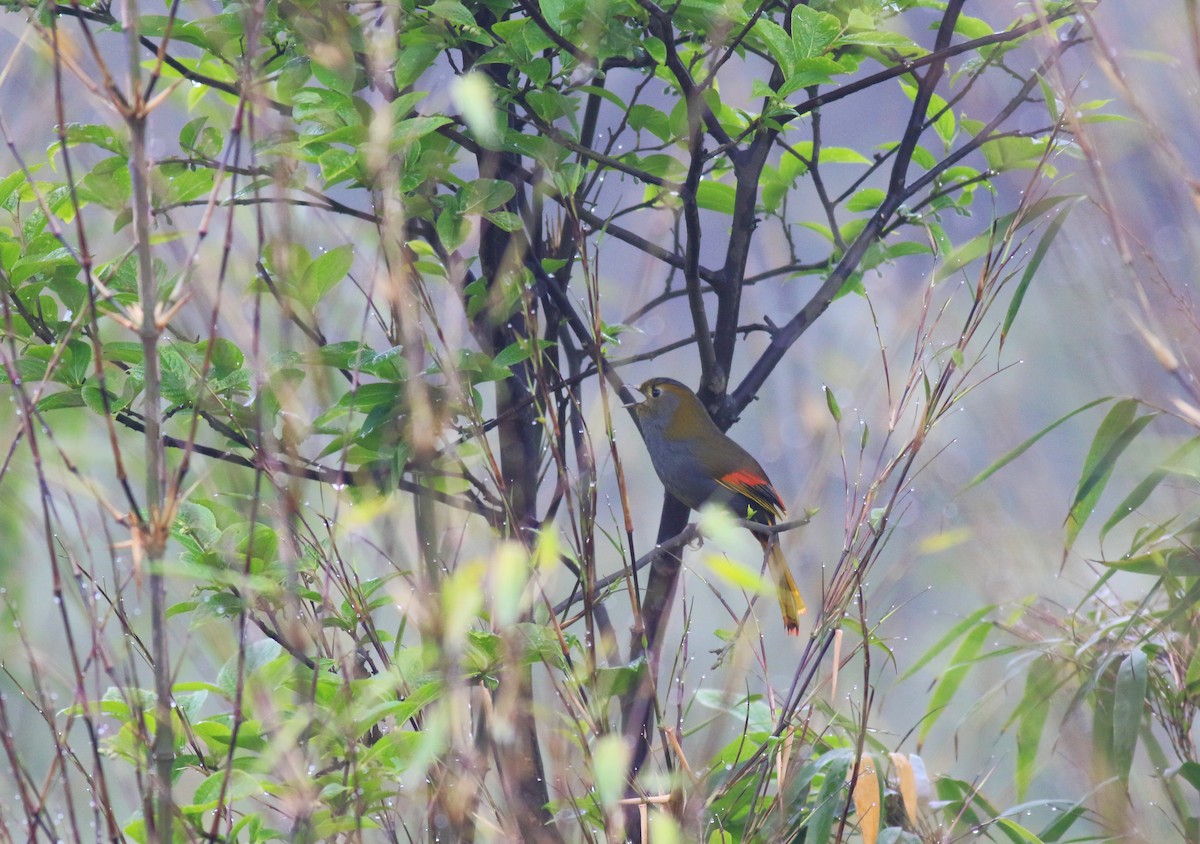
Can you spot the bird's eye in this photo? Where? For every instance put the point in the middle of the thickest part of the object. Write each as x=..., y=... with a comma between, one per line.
x=656, y=391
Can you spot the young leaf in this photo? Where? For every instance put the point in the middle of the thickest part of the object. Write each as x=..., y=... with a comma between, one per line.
x=831, y=402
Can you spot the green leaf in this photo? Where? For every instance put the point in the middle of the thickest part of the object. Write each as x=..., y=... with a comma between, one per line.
x=452, y=11
x=1014, y=153
x=832, y=404
x=62, y=400
x=1029, y=443
x=1012, y=828
x=1176, y=562
x=944, y=123
x=779, y=45
x=813, y=32
x=841, y=155
x=295, y=72
x=10, y=183
x=452, y=229
x=196, y=522
x=258, y=654
x=1041, y=682
x=96, y=135
x=325, y=271
x=1190, y=771
x=240, y=784
x=816, y=71
x=610, y=766
x=476, y=100
x=972, y=28
x=618, y=680
x=651, y=119
x=506, y=220
x=1031, y=268
x=1061, y=825
x=1116, y=432
x=896, y=835
x=963, y=255
x=94, y=397
x=751, y=711
x=1129, y=703
x=121, y=351
x=866, y=199
x=485, y=194
x=946, y=640
x=952, y=678
x=830, y=799
x=400, y=710
x=513, y=353
x=408, y=132
x=882, y=38
x=715, y=196
x=656, y=49
x=414, y=60
x=1148, y=484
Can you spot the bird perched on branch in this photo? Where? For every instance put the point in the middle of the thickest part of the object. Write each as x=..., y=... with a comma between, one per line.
x=698, y=463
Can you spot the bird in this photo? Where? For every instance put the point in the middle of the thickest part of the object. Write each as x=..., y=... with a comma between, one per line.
x=698, y=463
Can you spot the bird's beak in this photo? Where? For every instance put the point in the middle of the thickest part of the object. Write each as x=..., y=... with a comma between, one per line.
x=638, y=401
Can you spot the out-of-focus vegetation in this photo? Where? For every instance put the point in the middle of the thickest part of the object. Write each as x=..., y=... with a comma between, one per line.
x=325, y=520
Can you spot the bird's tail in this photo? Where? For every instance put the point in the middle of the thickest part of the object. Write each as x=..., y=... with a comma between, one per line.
x=790, y=602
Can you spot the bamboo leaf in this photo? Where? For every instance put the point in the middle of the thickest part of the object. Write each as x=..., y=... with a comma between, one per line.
x=1029, y=443
x=1116, y=432
x=1040, y=684
x=1031, y=268
x=829, y=800
x=1055, y=830
x=1013, y=828
x=952, y=678
x=1142, y=491
x=946, y=640
x=1129, y=702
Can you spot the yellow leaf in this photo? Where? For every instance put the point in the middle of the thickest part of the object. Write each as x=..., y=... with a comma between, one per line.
x=908, y=785
x=866, y=799
x=945, y=540
x=738, y=575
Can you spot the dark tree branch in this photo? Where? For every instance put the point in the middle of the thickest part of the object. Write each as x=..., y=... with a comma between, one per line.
x=788, y=334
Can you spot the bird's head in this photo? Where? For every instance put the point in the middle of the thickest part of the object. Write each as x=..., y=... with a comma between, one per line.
x=670, y=406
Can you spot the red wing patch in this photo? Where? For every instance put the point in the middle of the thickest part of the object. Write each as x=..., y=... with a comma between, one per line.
x=757, y=488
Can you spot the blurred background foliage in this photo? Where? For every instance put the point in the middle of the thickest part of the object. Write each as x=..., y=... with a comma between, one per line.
x=398, y=261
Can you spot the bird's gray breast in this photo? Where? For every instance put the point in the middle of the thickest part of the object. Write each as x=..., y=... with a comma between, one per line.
x=678, y=467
